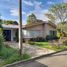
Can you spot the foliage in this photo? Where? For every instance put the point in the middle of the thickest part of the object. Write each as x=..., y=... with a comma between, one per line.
x=65, y=42
x=1, y=36
x=15, y=57
x=51, y=37
x=10, y=22
x=51, y=17
x=58, y=34
x=1, y=41
x=38, y=39
x=31, y=18
x=31, y=43
x=48, y=46
x=58, y=12
x=0, y=21
x=39, y=43
x=63, y=26
x=10, y=55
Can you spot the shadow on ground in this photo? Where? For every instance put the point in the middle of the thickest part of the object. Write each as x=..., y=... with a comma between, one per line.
x=30, y=64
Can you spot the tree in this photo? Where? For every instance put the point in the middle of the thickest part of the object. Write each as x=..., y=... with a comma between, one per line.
x=10, y=22
x=51, y=17
x=58, y=12
x=0, y=23
x=31, y=18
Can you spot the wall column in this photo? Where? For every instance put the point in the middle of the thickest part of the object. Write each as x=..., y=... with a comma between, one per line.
x=11, y=34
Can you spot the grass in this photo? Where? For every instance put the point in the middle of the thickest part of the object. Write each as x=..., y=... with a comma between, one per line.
x=47, y=45
x=9, y=55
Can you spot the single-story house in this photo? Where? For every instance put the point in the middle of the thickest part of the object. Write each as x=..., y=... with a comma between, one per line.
x=33, y=30
x=39, y=29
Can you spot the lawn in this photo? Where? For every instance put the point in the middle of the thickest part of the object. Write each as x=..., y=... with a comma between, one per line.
x=9, y=55
x=47, y=45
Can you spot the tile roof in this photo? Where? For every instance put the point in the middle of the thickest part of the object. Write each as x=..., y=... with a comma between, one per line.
x=39, y=23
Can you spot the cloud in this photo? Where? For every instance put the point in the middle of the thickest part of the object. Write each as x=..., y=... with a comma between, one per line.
x=41, y=15
x=50, y=2
x=14, y=12
x=24, y=22
x=39, y=11
x=65, y=1
x=2, y=17
x=28, y=3
x=23, y=13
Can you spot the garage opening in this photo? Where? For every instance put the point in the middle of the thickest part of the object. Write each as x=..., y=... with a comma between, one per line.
x=7, y=35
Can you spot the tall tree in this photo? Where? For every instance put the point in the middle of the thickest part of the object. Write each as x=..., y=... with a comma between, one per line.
x=31, y=18
x=58, y=12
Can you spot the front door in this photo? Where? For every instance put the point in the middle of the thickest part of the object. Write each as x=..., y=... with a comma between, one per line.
x=7, y=35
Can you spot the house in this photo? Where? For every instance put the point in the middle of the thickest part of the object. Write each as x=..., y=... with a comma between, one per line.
x=10, y=32
x=33, y=30
x=39, y=29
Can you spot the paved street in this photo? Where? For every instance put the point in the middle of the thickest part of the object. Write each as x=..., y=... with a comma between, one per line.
x=56, y=60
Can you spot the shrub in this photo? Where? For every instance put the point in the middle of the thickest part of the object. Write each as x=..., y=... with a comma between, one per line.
x=1, y=41
x=10, y=55
x=65, y=42
x=38, y=39
x=50, y=37
x=31, y=43
x=15, y=57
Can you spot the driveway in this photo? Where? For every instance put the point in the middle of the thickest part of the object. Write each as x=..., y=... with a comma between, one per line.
x=55, y=60
x=32, y=50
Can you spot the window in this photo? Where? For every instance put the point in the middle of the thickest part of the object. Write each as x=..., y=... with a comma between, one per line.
x=52, y=32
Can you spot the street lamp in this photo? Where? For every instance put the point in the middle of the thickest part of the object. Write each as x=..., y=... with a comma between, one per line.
x=20, y=28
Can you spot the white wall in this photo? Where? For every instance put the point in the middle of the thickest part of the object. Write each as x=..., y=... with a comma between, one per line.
x=12, y=34
x=32, y=33
x=38, y=31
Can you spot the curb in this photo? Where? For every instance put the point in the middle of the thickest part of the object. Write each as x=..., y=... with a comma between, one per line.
x=32, y=59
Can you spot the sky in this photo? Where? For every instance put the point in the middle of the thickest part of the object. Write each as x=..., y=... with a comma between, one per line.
x=9, y=9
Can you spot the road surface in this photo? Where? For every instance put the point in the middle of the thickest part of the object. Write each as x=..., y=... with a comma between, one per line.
x=55, y=60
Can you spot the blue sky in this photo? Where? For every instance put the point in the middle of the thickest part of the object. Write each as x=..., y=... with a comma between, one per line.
x=9, y=8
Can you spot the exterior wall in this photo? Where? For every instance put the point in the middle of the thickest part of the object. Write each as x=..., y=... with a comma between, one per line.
x=33, y=32
x=47, y=29
x=38, y=31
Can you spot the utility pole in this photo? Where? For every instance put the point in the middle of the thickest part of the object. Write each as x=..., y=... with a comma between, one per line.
x=20, y=28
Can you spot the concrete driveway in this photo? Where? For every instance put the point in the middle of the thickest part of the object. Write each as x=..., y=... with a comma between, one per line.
x=32, y=50
x=56, y=60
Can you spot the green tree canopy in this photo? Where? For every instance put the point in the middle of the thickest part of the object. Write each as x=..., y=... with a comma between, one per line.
x=10, y=22
x=58, y=12
x=31, y=18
